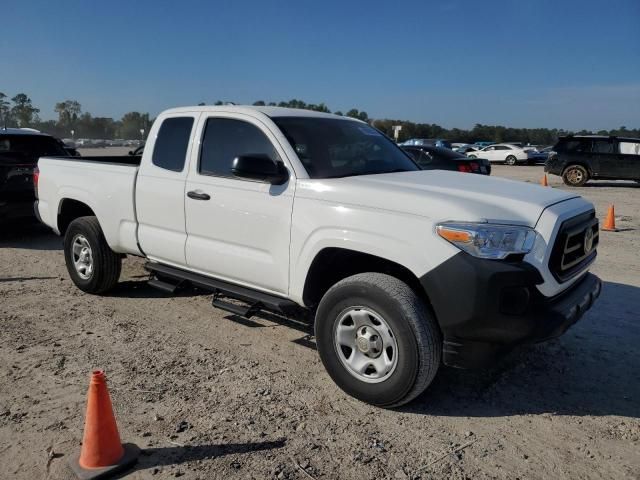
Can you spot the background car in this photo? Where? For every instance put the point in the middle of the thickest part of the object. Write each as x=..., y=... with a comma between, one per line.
x=581, y=158
x=436, y=158
x=20, y=150
x=468, y=148
x=503, y=153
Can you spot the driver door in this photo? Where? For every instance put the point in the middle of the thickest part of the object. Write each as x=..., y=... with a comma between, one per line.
x=238, y=230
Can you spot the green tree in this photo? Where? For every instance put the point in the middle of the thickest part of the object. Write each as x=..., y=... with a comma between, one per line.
x=132, y=123
x=68, y=113
x=5, y=110
x=23, y=112
x=355, y=113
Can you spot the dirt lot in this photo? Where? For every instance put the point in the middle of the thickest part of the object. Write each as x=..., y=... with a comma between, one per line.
x=209, y=395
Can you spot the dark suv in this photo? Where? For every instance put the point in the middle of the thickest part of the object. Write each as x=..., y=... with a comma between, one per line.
x=20, y=150
x=581, y=158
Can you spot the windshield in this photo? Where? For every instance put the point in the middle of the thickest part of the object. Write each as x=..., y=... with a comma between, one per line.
x=330, y=148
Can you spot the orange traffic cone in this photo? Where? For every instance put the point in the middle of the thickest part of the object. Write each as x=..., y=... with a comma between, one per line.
x=544, y=181
x=102, y=453
x=610, y=221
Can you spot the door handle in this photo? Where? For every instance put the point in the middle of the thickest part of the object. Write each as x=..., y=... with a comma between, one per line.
x=198, y=195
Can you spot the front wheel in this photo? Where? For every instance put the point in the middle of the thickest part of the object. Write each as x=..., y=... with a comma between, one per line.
x=377, y=339
x=511, y=160
x=575, y=175
x=91, y=263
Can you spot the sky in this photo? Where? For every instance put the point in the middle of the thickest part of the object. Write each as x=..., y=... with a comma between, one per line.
x=521, y=63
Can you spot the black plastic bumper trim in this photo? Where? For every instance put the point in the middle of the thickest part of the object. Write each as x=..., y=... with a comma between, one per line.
x=486, y=307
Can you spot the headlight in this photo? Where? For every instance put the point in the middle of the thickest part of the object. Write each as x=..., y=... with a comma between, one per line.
x=484, y=240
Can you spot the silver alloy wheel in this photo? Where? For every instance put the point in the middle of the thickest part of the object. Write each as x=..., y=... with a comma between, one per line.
x=365, y=344
x=82, y=256
x=511, y=160
x=574, y=175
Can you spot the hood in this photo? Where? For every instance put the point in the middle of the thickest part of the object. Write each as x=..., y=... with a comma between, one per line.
x=439, y=195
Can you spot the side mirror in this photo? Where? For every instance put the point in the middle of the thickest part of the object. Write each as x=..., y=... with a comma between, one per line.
x=260, y=167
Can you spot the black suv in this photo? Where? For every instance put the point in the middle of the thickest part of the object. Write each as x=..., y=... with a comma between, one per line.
x=581, y=158
x=20, y=150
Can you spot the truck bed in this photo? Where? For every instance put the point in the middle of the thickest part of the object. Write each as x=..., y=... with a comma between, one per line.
x=105, y=184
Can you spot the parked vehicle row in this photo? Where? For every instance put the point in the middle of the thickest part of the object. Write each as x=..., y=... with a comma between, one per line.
x=495, y=152
x=100, y=143
x=285, y=209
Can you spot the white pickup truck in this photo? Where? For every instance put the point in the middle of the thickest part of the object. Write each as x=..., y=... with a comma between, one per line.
x=282, y=209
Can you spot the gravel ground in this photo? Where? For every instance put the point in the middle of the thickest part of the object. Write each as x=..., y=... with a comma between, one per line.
x=210, y=395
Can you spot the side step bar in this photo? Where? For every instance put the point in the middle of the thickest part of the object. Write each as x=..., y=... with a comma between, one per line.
x=257, y=300
x=246, y=311
x=162, y=285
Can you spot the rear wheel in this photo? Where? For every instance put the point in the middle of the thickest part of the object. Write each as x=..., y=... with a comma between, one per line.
x=472, y=156
x=575, y=175
x=377, y=339
x=91, y=263
x=511, y=160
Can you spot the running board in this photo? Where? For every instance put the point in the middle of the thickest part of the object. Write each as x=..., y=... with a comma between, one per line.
x=257, y=300
x=246, y=311
x=162, y=285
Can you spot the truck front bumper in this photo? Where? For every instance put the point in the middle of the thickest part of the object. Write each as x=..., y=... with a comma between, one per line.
x=485, y=308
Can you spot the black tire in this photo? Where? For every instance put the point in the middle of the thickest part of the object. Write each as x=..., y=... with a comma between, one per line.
x=419, y=342
x=106, y=264
x=575, y=176
x=511, y=160
x=472, y=156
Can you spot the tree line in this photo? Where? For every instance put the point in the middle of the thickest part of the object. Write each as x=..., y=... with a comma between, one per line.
x=19, y=111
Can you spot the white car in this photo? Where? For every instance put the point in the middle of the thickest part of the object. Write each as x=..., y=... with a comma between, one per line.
x=290, y=210
x=504, y=153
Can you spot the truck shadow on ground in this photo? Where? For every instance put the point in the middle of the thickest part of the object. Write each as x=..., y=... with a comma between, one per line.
x=166, y=456
x=28, y=234
x=593, y=370
x=141, y=289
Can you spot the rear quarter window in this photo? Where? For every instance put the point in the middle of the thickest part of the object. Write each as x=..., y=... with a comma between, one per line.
x=170, y=149
x=629, y=148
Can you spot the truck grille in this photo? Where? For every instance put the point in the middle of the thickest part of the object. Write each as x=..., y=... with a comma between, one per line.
x=575, y=246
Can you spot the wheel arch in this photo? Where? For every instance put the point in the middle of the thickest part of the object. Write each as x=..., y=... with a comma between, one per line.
x=68, y=210
x=332, y=264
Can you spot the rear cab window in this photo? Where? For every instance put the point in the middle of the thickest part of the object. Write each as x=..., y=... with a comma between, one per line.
x=170, y=149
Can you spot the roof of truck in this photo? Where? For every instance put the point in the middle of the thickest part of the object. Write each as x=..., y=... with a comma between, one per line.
x=250, y=109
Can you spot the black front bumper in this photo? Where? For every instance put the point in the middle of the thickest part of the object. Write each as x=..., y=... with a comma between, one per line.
x=487, y=307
